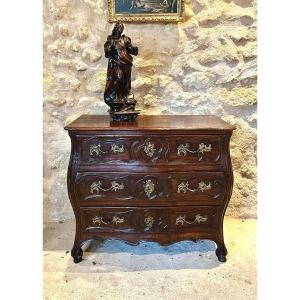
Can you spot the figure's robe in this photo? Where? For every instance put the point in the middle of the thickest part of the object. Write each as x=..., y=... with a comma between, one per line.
x=118, y=83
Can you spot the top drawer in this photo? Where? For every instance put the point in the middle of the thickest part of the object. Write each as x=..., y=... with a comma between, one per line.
x=172, y=149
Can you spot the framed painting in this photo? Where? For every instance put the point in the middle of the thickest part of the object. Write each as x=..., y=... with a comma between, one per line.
x=145, y=10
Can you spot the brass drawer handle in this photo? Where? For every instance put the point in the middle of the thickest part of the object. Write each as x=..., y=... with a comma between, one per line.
x=149, y=221
x=184, y=149
x=149, y=187
x=97, y=187
x=115, y=220
x=149, y=148
x=117, y=149
x=180, y=220
x=96, y=149
x=202, y=186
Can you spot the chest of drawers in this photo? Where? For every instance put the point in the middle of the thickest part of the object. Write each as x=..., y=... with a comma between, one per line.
x=161, y=178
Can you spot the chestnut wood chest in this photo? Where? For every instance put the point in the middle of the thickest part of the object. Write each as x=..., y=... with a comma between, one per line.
x=161, y=178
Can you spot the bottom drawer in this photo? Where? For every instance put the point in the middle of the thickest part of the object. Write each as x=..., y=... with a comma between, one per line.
x=154, y=219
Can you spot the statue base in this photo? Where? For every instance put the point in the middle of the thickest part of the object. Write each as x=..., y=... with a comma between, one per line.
x=124, y=116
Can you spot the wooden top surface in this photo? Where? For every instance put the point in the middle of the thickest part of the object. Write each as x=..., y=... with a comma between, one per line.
x=150, y=122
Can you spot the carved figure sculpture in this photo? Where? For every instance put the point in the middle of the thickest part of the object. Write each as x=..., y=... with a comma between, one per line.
x=117, y=95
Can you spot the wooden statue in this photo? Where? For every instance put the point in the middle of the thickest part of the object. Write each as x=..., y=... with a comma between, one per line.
x=117, y=95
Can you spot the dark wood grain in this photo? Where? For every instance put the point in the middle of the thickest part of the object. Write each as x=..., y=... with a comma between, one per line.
x=150, y=122
x=163, y=179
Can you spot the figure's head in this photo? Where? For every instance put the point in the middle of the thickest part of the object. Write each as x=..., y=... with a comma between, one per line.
x=118, y=29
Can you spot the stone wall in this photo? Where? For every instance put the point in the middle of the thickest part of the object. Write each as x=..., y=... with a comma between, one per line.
x=205, y=65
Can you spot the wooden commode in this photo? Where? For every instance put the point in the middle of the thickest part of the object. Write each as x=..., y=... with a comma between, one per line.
x=161, y=178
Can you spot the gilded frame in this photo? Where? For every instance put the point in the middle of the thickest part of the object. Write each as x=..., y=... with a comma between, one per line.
x=146, y=17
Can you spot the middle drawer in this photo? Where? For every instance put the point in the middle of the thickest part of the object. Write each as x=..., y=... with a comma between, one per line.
x=143, y=189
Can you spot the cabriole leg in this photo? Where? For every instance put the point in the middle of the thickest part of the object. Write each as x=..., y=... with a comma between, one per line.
x=77, y=252
x=221, y=252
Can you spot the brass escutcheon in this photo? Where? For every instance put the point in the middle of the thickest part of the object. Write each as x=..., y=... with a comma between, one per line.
x=149, y=149
x=149, y=187
x=149, y=221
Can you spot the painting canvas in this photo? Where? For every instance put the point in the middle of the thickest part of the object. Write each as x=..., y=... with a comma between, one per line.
x=145, y=10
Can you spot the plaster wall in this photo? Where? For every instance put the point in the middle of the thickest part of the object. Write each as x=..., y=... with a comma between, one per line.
x=204, y=65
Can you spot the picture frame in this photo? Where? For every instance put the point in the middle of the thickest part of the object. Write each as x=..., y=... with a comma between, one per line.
x=145, y=11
